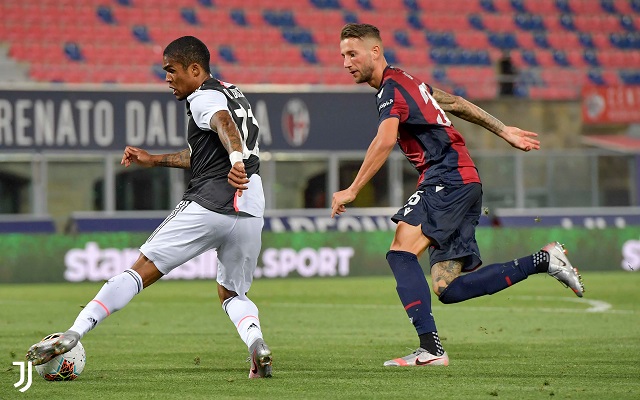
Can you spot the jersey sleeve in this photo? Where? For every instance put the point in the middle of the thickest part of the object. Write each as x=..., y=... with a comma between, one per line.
x=391, y=103
x=205, y=103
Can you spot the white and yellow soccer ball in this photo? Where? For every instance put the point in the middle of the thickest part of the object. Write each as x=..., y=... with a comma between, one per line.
x=65, y=367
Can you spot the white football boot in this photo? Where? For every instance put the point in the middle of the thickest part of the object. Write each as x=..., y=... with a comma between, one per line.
x=561, y=269
x=261, y=360
x=52, y=346
x=418, y=358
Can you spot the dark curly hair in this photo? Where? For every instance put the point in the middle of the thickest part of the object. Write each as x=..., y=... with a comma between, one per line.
x=188, y=50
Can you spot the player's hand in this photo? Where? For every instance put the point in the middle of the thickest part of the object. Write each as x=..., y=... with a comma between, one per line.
x=237, y=177
x=339, y=200
x=520, y=139
x=136, y=156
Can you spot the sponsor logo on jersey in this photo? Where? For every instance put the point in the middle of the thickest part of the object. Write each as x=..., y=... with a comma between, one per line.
x=385, y=104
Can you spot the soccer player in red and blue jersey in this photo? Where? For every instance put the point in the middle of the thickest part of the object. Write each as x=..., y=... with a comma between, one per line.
x=442, y=214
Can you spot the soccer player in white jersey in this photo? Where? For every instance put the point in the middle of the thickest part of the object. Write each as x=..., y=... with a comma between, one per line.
x=222, y=207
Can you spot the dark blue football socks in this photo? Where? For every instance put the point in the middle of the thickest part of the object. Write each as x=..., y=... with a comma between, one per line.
x=494, y=278
x=413, y=290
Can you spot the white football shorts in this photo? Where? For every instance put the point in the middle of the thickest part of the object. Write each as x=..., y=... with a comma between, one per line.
x=191, y=229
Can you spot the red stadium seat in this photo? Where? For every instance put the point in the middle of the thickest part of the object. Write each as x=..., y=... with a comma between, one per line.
x=38, y=29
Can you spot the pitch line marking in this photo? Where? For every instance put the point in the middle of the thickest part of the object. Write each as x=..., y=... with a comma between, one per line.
x=595, y=306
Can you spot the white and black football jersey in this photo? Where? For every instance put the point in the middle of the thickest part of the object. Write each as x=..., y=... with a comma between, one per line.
x=210, y=163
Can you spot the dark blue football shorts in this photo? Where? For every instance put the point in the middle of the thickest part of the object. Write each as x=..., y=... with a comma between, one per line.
x=448, y=216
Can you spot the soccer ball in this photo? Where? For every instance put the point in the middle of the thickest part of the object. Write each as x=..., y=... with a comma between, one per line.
x=65, y=367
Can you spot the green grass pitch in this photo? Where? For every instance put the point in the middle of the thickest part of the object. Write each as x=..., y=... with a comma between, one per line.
x=330, y=337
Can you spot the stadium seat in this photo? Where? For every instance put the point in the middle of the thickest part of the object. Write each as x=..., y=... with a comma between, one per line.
x=597, y=38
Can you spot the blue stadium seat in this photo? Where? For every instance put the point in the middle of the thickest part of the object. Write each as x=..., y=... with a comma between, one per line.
x=390, y=56
x=566, y=20
x=402, y=38
x=326, y=4
x=440, y=74
x=591, y=57
x=619, y=40
x=189, y=15
x=484, y=58
x=206, y=3
x=414, y=21
x=488, y=6
x=626, y=21
x=365, y=4
x=529, y=22
x=309, y=55
x=126, y=3
x=635, y=5
x=297, y=36
x=105, y=14
x=158, y=72
x=630, y=77
x=441, y=39
x=540, y=39
x=350, y=17
x=504, y=41
x=411, y=5
x=560, y=57
x=72, y=50
x=537, y=23
x=453, y=57
x=518, y=5
x=238, y=16
x=438, y=56
x=226, y=53
x=595, y=77
x=475, y=20
x=586, y=40
x=608, y=6
x=141, y=33
x=280, y=18
x=468, y=57
x=563, y=6
x=529, y=57
x=459, y=91
x=520, y=90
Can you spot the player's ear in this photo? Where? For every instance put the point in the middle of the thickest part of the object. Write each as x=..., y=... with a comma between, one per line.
x=376, y=52
x=195, y=70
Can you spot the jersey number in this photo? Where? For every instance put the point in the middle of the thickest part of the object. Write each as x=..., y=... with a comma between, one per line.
x=442, y=117
x=245, y=115
x=414, y=199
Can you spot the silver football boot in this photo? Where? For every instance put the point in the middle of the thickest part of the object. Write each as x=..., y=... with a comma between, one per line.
x=261, y=360
x=52, y=346
x=418, y=358
x=561, y=269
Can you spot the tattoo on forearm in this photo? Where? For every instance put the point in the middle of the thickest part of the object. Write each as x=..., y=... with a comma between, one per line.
x=468, y=111
x=227, y=131
x=477, y=115
x=176, y=160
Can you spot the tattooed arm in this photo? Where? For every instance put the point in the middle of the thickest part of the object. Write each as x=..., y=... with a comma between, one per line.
x=227, y=129
x=138, y=156
x=229, y=135
x=461, y=108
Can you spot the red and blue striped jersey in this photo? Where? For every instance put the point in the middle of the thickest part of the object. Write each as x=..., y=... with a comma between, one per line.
x=425, y=135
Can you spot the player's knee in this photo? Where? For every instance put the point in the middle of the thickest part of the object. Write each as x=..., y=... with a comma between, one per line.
x=224, y=293
x=437, y=290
